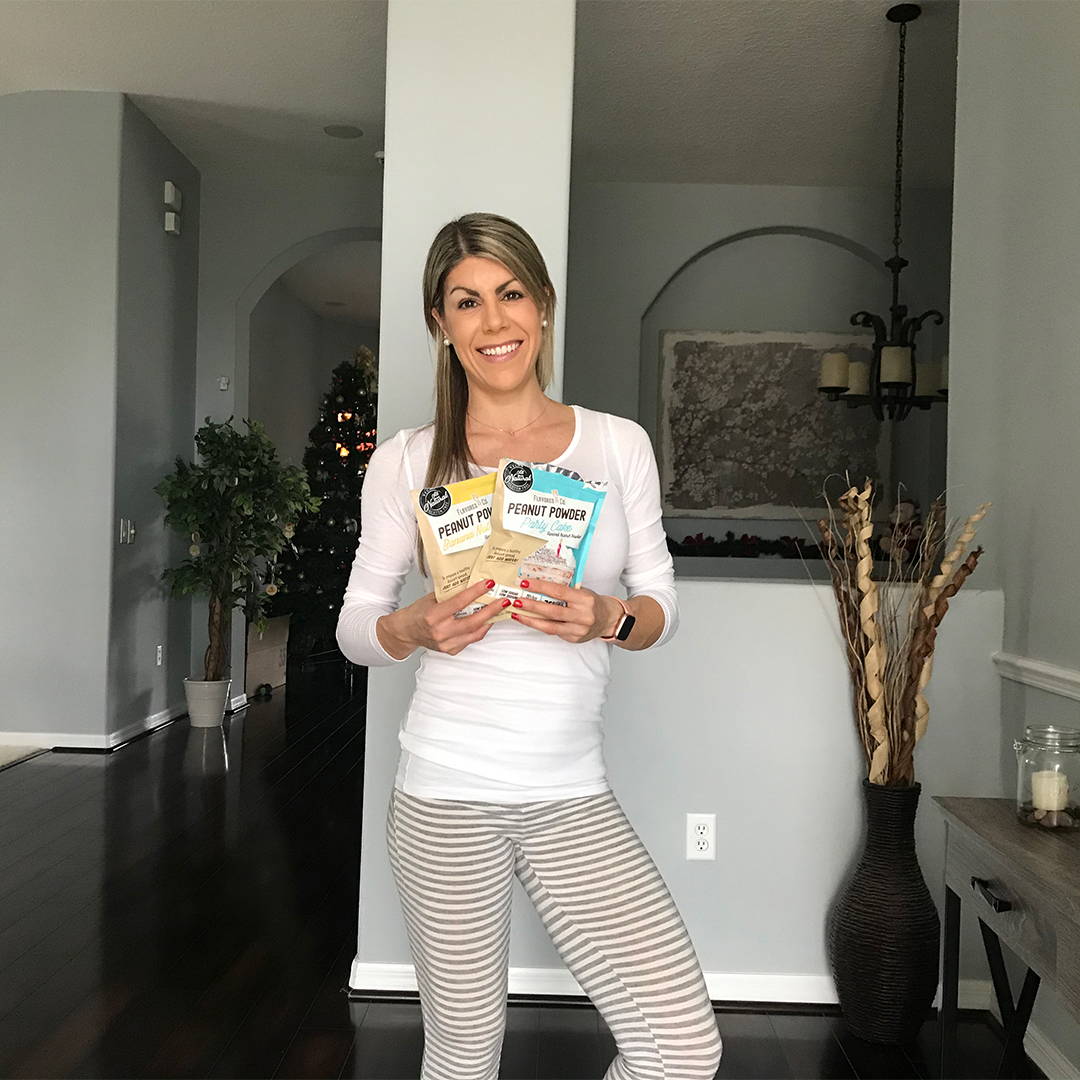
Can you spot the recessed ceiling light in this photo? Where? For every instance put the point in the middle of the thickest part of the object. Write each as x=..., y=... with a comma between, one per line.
x=343, y=131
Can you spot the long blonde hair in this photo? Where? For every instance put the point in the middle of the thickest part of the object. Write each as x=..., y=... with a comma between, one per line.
x=489, y=236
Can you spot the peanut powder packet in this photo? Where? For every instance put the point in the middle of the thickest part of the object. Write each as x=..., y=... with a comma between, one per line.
x=542, y=524
x=454, y=522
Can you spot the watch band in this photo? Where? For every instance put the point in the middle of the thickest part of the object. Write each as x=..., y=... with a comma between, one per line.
x=622, y=630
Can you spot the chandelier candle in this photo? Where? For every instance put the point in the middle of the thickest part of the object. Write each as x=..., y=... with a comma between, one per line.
x=834, y=372
x=858, y=379
x=895, y=366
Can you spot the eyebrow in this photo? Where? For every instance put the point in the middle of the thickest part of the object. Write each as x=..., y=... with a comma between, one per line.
x=473, y=292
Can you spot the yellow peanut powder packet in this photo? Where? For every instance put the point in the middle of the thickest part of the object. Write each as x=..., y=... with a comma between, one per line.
x=454, y=522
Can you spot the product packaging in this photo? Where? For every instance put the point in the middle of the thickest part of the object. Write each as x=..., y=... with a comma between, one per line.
x=454, y=522
x=542, y=524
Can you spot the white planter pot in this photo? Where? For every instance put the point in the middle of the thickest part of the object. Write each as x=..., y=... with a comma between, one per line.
x=206, y=701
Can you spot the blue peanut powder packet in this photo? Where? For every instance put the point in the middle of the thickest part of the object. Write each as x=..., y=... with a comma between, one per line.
x=542, y=523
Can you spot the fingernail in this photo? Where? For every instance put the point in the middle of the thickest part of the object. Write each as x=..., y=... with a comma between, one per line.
x=490, y=583
x=525, y=583
x=506, y=603
x=518, y=603
x=513, y=615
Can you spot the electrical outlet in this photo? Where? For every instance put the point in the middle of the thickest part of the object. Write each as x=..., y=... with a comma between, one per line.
x=701, y=836
x=160, y=654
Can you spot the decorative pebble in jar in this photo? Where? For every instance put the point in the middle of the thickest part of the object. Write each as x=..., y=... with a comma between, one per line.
x=1048, y=777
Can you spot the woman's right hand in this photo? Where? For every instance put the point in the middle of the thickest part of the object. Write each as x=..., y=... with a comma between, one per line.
x=430, y=624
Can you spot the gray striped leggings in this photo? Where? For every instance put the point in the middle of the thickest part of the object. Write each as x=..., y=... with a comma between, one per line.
x=603, y=902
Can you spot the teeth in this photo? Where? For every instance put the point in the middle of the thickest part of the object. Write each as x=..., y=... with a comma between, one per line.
x=501, y=351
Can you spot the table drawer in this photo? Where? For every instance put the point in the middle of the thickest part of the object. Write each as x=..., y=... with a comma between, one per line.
x=1028, y=926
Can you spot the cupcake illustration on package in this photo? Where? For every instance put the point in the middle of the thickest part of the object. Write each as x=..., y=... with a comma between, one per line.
x=454, y=522
x=542, y=524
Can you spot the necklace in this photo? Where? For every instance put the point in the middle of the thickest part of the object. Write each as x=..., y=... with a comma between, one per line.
x=512, y=431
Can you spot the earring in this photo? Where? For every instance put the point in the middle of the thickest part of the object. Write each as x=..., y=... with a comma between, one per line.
x=446, y=341
x=544, y=323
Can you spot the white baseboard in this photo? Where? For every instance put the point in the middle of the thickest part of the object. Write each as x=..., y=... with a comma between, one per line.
x=1048, y=1057
x=728, y=986
x=83, y=741
x=723, y=986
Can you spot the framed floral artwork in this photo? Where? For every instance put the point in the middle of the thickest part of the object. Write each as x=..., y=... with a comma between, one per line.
x=743, y=431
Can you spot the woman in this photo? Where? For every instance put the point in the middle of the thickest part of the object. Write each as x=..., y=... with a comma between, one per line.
x=501, y=772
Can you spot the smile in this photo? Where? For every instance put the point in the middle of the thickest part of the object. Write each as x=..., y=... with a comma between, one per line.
x=501, y=352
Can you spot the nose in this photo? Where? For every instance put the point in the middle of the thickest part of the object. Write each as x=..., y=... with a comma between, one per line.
x=494, y=317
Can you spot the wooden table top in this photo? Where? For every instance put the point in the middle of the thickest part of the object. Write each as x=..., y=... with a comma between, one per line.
x=1050, y=857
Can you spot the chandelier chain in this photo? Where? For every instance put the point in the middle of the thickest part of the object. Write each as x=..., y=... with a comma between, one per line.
x=898, y=197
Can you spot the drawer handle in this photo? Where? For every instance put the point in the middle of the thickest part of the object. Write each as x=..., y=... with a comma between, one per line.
x=982, y=887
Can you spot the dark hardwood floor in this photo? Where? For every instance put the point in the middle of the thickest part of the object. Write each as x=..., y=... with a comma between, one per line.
x=186, y=907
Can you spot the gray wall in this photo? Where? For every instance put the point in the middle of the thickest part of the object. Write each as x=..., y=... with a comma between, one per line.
x=285, y=370
x=59, y=230
x=1016, y=322
x=339, y=342
x=775, y=281
x=155, y=355
x=97, y=308
x=747, y=714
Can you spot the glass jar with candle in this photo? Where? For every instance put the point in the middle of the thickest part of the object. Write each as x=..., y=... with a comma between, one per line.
x=1048, y=777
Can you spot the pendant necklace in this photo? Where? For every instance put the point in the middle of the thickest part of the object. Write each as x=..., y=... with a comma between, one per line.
x=511, y=431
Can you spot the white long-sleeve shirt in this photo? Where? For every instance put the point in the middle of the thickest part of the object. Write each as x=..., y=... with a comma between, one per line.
x=517, y=716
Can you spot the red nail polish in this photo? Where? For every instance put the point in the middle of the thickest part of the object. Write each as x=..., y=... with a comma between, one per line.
x=518, y=603
x=490, y=583
x=513, y=614
x=506, y=602
x=525, y=583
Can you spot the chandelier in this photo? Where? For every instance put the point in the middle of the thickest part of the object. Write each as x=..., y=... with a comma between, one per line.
x=891, y=382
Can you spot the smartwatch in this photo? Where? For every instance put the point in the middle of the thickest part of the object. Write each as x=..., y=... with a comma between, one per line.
x=622, y=627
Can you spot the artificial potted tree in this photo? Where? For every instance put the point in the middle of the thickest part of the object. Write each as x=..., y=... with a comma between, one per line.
x=238, y=505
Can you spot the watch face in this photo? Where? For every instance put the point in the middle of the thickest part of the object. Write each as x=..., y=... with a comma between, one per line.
x=625, y=627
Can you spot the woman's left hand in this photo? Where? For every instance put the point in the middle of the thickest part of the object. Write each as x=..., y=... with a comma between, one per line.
x=587, y=615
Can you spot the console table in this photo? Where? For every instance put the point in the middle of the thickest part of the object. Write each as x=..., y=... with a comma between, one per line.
x=1023, y=884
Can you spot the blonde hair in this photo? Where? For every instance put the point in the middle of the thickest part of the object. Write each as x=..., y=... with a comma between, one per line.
x=494, y=237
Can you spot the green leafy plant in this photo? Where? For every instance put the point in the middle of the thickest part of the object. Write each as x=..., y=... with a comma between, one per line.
x=238, y=504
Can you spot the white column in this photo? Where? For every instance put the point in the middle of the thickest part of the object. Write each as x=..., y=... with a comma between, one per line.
x=478, y=114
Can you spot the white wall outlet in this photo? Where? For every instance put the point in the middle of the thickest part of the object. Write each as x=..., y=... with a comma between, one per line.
x=160, y=654
x=701, y=836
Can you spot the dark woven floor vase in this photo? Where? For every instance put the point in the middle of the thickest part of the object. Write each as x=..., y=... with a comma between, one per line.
x=883, y=932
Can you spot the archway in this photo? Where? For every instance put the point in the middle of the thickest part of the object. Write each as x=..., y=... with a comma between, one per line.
x=245, y=306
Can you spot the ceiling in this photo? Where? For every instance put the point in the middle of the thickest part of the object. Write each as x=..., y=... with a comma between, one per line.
x=761, y=92
x=690, y=91
x=341, y=283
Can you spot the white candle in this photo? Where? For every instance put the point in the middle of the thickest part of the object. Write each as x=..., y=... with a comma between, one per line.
x=834, y=371
x=858, y=378
x=927, y=379
x=895, y=365
x=1049, y=790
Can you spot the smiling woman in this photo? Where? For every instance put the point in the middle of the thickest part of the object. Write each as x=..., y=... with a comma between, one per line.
x=501, y=771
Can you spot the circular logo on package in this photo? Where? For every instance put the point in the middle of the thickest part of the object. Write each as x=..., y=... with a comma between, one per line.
x=518, y=477
x=435, y=501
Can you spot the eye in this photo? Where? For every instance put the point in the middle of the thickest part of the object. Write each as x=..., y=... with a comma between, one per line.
x=509, y=292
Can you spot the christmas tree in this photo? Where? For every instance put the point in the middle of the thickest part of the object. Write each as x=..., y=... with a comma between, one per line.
x=313, y=570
